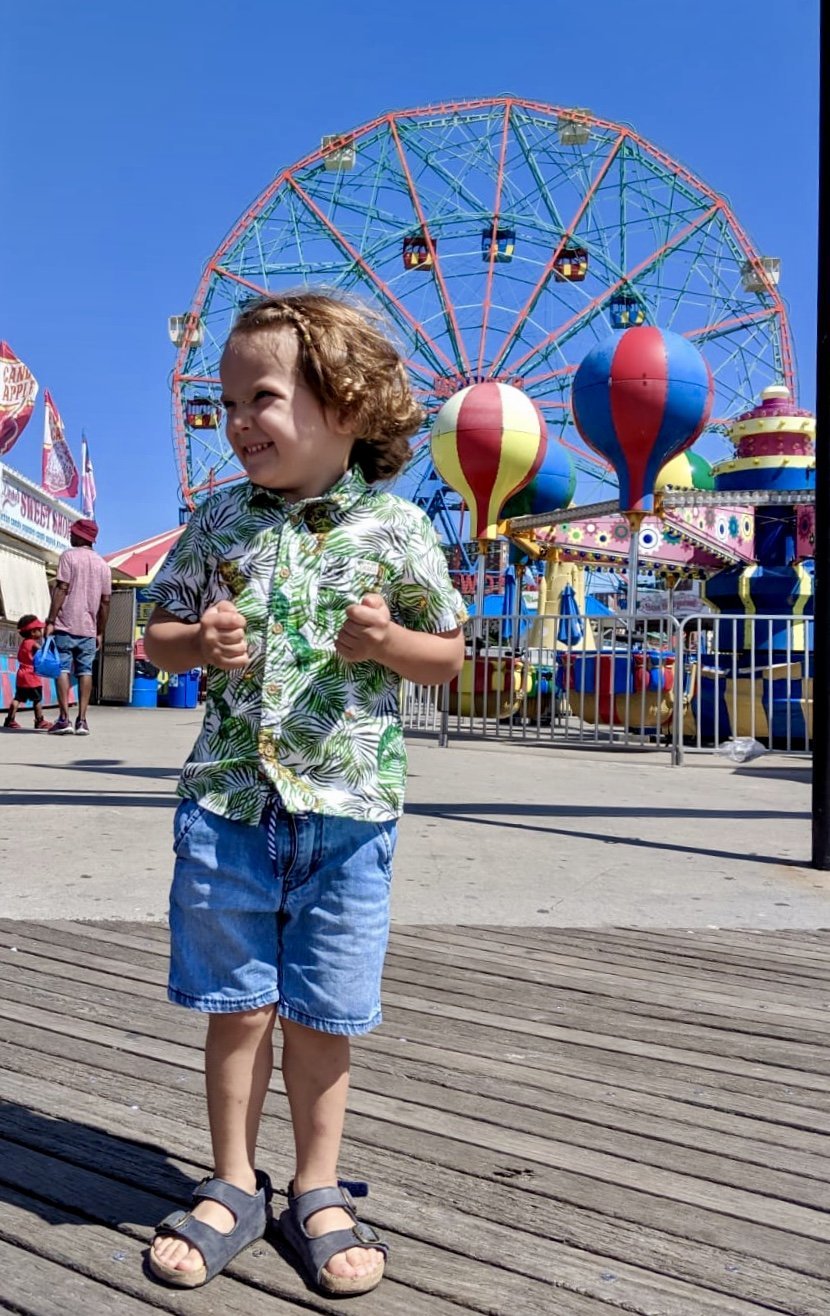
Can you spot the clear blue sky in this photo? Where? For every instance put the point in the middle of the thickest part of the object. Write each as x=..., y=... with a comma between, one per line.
x=134, y=135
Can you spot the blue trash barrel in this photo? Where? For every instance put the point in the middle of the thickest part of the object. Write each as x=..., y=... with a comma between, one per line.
x=183, y=689
x=145, y=692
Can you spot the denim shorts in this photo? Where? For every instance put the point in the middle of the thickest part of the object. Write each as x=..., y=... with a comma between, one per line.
x=77, y=652
x=302, y=923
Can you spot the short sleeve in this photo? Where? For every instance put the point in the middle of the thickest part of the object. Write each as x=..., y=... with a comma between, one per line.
x=424, y=597
x=106, y=579
x=63, y=573
x=181, y=583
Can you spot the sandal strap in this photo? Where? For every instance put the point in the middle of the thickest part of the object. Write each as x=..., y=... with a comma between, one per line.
x=251, y=1212
x=320, y=1250
x=317, y=1199
x=228, y=1195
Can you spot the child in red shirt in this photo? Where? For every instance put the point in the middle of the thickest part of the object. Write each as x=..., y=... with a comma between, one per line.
x=28, y=686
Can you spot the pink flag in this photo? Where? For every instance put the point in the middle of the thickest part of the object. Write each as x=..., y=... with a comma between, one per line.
x=18, y=390
x=88, y=490
x=60, y=474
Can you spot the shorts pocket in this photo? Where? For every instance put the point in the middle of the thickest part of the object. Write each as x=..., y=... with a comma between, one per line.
x=184, y=818
x=387, y=834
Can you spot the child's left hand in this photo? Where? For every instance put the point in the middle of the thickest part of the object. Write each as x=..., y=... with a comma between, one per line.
x=365, y=630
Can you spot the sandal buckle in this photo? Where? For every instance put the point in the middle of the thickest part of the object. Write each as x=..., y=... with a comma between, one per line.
x=365, y=1233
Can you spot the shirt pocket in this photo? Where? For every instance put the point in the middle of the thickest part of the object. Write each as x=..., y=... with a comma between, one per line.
x=342, y=581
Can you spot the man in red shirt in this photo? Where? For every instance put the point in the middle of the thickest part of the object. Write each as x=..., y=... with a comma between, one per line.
x=78, y=617
x=28, y=685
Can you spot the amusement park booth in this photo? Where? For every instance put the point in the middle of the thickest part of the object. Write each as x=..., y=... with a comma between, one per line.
x=34, y=531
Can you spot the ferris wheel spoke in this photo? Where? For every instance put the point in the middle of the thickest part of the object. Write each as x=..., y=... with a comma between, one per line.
x=434, y=164
x=401, y=313
x=536, y=174
x=565, y=331
x=494, y=230
x=465, y=171
x=462, y=364
x=707, y=332
x=545, y=276
x=240, y=279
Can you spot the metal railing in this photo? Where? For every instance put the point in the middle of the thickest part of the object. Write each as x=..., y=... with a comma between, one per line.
x=649, y=683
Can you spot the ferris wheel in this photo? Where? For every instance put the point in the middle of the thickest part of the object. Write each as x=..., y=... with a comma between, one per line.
x=502, y=238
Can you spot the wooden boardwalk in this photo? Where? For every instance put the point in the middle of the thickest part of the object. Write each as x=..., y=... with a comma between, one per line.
x=554, y=1122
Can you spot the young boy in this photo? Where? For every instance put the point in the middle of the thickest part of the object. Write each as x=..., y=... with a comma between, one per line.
x=309, y=595
x=28, y=685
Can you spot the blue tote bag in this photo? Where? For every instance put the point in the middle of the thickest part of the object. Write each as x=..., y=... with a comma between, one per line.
x=46, y=661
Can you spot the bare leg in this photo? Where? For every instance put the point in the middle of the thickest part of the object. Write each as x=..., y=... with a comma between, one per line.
x=12, y=713
x=239, y=1058
x=84, y=692
x=315, y=1067
x=63, y=694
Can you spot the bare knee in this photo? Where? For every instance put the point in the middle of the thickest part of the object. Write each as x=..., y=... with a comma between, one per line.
x=243, y=1025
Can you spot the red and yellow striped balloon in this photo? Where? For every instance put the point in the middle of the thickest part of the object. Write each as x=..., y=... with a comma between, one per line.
x=488, y=441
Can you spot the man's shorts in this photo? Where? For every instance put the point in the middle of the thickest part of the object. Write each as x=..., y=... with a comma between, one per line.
x=303, y=923
x=24, y=693
x=77, y=652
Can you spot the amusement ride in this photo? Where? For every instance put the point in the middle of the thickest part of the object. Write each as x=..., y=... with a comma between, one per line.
x=575, y=309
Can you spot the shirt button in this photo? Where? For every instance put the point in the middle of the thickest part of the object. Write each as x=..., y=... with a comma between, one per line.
x=284, y=573
x=273, y=689
x=350, y=714
x=277, y=628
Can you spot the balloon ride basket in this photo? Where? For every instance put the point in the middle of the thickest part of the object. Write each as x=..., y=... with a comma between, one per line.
x=488, y=687
x=632, y=692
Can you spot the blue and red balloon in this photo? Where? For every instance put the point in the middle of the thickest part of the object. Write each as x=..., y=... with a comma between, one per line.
x=640, y=398
x=553, y=486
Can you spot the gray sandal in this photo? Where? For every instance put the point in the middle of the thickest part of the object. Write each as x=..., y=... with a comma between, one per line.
x=252, y=1212
x=314, y=1253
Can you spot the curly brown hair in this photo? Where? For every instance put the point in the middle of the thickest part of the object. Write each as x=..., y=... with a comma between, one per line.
x=350, y=365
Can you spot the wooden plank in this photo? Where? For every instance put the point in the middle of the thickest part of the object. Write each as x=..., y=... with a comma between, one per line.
x=13, y=968
x=762, y=1141
x=432, y=1212
x=34, y=1286
x=564, y=992
x=441, y=1270
x=645, y=948
x=608, y=1029
x=566, y=1164
x=686, y=1148
x=423, y=1131
x=626, y=973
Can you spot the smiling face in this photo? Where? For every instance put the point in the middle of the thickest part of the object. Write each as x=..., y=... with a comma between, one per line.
x=281, y=434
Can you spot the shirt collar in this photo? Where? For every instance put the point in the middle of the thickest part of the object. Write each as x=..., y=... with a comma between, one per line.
x=342, y=495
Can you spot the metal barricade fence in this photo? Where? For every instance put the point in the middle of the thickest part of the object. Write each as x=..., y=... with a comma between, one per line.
x=615, y=682
x=570, y=679
x=747, y=678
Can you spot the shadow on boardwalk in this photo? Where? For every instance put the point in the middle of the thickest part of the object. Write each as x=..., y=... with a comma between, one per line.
x=552, y=1121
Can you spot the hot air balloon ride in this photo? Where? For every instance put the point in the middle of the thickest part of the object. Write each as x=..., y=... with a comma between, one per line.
x=639, y=399
x=488, y=442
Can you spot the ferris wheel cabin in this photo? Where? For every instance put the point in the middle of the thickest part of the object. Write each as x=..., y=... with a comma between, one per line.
x=416, y=252
x=500, y=247
x=752, y=278
x=626, y=310
x=339, y=152
x=203, y=414
x=186, y=330
x=573, y=132
x=571, y=265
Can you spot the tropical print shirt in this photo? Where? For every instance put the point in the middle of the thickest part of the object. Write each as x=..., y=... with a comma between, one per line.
x=323, y=733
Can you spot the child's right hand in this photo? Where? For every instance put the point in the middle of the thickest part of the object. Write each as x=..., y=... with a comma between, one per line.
x=222, y=636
